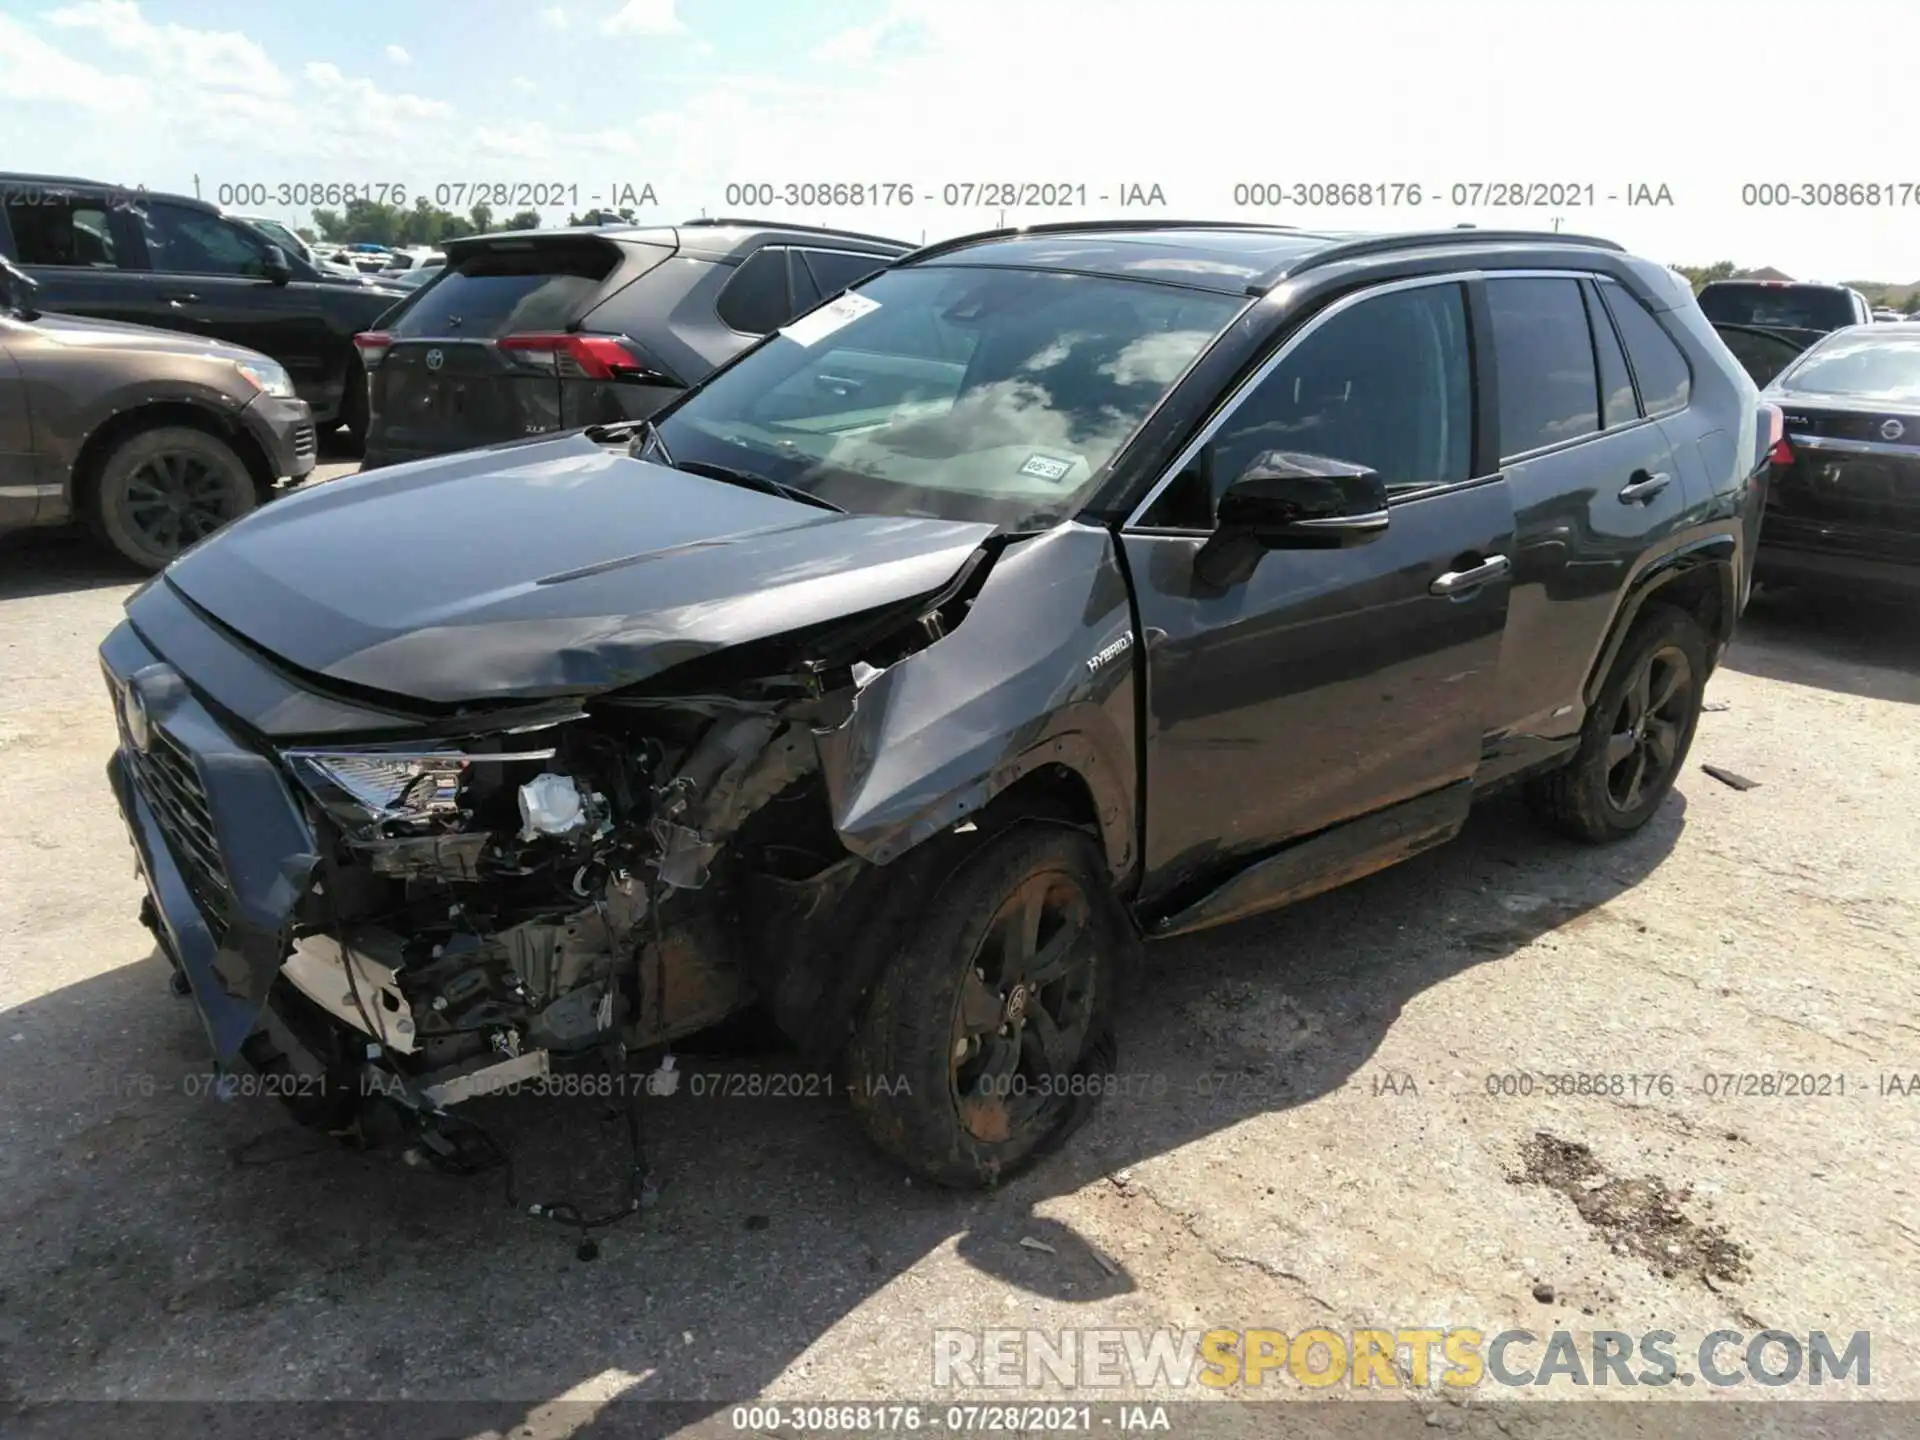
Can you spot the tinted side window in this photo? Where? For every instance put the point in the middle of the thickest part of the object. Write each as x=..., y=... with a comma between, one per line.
x=1658, y=366
x=834, y=270
x=1549, y=390
x=1617, y=403
x=61, y=230
x=185, y=241
x=755, y=300
x=1386, y=384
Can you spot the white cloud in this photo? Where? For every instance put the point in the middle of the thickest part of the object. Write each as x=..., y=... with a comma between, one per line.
x=31, y=70
x=398, y=55
x=554, y=17
x=523, y=85
x=643, y=17
x=209, y=59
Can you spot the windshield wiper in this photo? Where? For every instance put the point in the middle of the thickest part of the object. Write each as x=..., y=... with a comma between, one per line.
x=752, y=481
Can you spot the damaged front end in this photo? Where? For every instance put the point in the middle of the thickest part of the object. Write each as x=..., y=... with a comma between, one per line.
x=396, y=928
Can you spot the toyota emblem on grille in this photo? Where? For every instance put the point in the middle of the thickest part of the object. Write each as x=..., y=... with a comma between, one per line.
x=435, y=359
x=1891, y=430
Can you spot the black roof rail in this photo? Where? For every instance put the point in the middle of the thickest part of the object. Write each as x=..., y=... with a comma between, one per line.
x=1056, y=227
x=1414, y=239
x=746, y=223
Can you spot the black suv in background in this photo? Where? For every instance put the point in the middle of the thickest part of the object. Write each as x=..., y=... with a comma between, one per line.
x=109, y=253
x=1047, y=588
x=531, y=331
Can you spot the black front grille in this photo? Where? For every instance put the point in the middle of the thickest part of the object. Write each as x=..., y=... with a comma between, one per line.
x=303, y=440
x=171, y=785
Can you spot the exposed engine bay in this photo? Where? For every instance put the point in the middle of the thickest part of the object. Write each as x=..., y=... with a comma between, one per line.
x=581, y=887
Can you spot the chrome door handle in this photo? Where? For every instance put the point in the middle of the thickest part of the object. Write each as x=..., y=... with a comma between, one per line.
x=1645, y=489
x=1456, y=582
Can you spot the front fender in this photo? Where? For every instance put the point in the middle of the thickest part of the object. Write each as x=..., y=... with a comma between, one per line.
x=1039, y=673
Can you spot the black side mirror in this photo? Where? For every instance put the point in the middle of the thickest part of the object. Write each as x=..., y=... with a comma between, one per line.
x=17, y=290
x=1290, y=501
x=279, y=269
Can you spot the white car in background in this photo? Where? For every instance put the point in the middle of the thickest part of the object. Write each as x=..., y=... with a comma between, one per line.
x=413, y=257
x=289, y=240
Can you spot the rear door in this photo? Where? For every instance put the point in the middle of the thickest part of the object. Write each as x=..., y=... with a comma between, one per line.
x=1595, y=484
x=479, y=355
x=208, y=275
x=20, y=494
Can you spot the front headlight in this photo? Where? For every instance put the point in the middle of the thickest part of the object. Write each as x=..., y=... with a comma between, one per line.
x=267, y=377
x=358, y=786
x=377, y=786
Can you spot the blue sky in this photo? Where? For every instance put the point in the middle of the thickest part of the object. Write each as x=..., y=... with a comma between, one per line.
x=1196, y=97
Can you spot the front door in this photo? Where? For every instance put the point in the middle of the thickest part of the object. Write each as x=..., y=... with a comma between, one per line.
x=209, y=276
x=1330, y=684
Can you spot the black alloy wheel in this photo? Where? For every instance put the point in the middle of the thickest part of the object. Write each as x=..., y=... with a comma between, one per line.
x=1025, y=1007
x=1643, y=751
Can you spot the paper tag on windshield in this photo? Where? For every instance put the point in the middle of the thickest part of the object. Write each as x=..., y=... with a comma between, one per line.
x=812, y=328
x=1045, y=467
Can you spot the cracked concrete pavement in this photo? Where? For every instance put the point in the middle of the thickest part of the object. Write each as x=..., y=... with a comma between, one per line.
x=1304, y=1134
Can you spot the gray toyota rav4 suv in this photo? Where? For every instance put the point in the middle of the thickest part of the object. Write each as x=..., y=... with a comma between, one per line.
x=1048, y=590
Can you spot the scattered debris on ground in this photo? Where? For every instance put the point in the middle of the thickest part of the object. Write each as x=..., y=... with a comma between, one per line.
x=1637, y=1217
x=1727, y=777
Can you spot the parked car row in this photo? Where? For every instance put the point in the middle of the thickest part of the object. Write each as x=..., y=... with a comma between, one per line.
x=1843, y=505
x=497, y=337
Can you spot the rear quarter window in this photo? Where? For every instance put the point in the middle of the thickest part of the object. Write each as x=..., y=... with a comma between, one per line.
x=506, y=292
x=1659, y=366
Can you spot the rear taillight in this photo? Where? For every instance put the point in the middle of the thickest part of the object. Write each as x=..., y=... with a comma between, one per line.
x=590, y=357
x=1773, y=433
x=372, y=346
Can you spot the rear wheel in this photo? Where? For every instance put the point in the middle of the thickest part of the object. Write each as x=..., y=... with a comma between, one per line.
x=165, y=489
x=983, y=1037
x=1637, y=733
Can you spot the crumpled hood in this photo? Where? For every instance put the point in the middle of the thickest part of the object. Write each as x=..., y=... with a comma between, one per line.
x=552, y=568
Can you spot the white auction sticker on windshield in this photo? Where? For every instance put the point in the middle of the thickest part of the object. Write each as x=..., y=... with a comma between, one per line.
x=816, y=325
x=1046, y=467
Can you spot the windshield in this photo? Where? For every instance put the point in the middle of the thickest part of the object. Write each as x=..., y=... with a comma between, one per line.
x=959, y=393
x=1870, y=366
x=1791, y=307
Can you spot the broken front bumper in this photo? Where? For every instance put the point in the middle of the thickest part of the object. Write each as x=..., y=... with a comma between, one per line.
x=223, y=846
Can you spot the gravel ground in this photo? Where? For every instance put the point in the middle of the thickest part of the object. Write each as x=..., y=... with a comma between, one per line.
x=1310, y=1139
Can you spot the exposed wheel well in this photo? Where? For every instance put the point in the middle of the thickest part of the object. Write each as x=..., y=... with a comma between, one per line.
x=1054, y=793
x=1702, y=589
x=1701, y=592
x=122, y=427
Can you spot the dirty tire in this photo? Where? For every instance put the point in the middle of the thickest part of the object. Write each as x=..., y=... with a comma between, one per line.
x=162, y=490
x=904, y=1080
x=1592, y=798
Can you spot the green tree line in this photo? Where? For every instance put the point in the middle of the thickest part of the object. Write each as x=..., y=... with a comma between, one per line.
x=424, y=223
